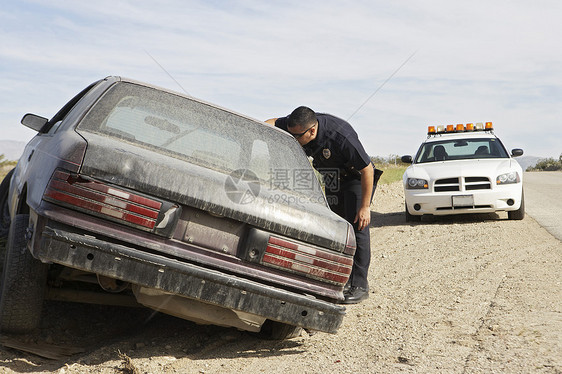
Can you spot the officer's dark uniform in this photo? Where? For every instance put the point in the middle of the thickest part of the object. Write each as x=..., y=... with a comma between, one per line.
x=338, y=155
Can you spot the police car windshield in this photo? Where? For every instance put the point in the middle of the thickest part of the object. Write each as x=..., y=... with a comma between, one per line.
x=461, y=149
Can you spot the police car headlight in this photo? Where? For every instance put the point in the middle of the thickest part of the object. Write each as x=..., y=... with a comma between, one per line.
x=415, y=183
x=508, y=178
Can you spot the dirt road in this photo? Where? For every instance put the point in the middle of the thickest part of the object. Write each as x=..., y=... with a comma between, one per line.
x=463, y=294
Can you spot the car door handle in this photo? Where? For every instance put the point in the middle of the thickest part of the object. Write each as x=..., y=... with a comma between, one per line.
x=31, y=154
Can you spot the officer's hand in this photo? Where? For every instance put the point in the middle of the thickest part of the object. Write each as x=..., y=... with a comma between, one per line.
x=363, y=218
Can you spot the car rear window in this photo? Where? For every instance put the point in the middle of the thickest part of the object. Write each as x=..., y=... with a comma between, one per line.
x=461, y=149
x=199, y=133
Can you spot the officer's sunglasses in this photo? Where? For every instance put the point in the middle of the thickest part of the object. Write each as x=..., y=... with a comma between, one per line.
x=302, y=133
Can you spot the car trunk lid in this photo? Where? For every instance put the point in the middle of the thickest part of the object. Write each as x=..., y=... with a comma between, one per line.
x=231, y=195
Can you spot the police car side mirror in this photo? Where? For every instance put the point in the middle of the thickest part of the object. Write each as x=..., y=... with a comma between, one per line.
x=516, y=152
x=406, y=159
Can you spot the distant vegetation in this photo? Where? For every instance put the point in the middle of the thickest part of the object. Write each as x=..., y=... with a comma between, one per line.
x=392, y=167
x=5, y=166
x=547, y=164
x=4, y=162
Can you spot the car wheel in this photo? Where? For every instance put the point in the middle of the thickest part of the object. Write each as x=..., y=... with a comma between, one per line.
x=273, y=330
x=23, y=282
x=4, y=211
x=518, y=214
x=411, y=217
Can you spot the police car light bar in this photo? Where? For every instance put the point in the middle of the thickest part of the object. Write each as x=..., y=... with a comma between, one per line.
x=442, y=129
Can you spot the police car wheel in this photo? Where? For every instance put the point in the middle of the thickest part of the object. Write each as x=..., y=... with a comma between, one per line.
x=518, y=214
x=411, y=217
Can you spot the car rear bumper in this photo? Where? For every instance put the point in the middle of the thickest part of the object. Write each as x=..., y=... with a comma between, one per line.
x=187, y=280
x=421, y=202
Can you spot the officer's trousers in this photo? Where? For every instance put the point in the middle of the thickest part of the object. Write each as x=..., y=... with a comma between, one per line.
x=345, y=201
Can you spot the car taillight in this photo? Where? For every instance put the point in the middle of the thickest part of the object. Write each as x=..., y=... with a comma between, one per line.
x=102, y=200
x=308, y=260
x=351, y=244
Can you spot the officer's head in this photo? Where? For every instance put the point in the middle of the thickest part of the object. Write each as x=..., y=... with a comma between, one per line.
x=302, y=123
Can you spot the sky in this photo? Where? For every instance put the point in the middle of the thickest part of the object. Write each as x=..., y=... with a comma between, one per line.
x=391, y=68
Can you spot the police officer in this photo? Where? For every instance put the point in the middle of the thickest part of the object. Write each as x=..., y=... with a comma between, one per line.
x=349, y=178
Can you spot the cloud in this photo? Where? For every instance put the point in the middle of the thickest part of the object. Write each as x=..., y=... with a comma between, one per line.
x=476, y=60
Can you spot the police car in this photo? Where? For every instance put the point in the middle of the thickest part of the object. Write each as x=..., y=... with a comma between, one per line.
x=463, y=169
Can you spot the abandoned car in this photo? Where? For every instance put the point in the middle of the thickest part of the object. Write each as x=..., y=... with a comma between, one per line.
x=192, y=209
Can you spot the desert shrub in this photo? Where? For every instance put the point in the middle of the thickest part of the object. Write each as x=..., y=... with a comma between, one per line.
x=547, y=164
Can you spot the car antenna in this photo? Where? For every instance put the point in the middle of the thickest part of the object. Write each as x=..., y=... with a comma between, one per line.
x=165, y=71
x=382, y=85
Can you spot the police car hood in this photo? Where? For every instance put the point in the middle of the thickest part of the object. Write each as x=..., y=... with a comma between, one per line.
x=300, y=216
x=490, y=168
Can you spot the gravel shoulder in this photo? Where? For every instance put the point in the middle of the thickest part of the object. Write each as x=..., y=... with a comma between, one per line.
x=460, y=294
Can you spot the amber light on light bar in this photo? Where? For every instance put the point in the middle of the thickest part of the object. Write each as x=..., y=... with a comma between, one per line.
x=102, y=200
x=307, y=260
x=433, y=130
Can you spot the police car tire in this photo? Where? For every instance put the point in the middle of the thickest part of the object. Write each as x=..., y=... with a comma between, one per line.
x=518, y=214
x=411, y=217
x=23, y=282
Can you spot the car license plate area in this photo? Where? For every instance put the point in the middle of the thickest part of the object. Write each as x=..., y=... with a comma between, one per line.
x=215, y=233
x=463, y=201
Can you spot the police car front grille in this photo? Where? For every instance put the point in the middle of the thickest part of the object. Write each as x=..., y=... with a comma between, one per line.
x=470, y=184
x=477, y=183
x=447, y=185
x=447, y=181
x=446, y=188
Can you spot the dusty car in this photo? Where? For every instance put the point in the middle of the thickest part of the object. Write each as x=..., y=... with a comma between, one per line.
x=463, y=169
x=192, y=209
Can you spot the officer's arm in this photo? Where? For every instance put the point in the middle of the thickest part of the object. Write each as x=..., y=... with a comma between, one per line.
x=271, y=121
x=364, y=214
